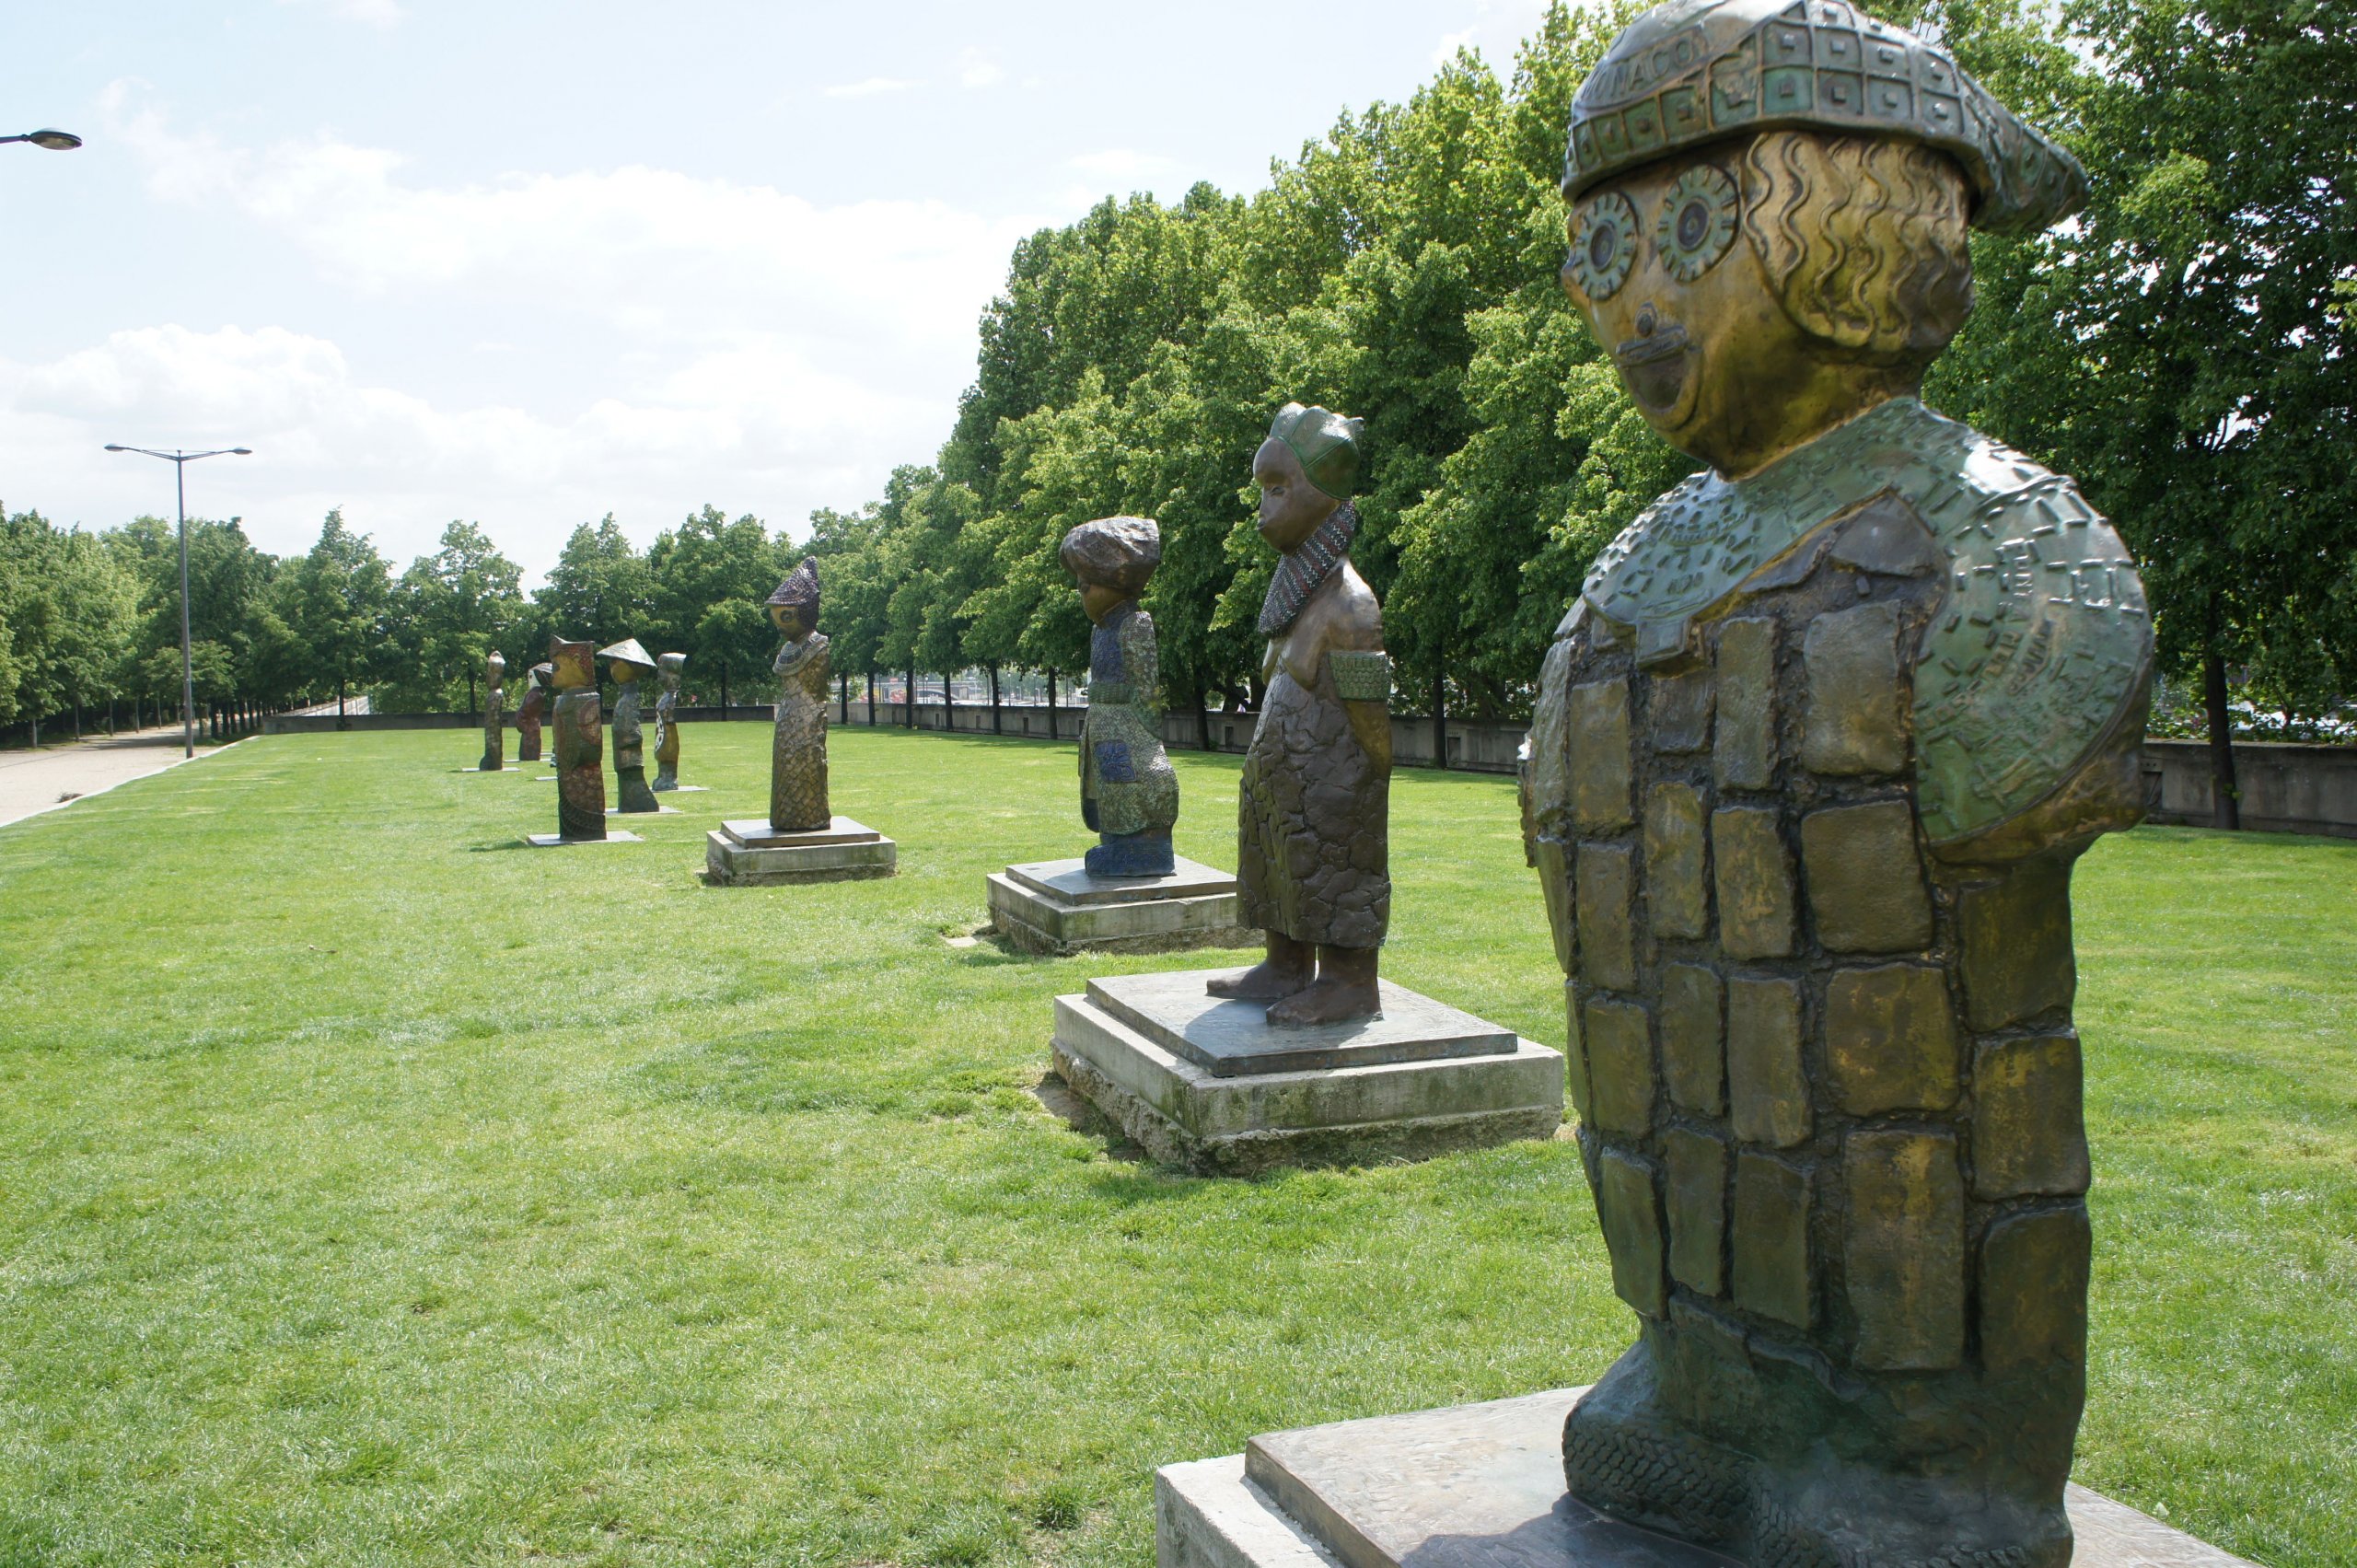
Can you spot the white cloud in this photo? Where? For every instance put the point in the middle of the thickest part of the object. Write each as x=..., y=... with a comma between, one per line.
x=373, y=13
x=747, y=427
x=870, y=87
x=753, y=348
x=1446, y=50
x=976, y=69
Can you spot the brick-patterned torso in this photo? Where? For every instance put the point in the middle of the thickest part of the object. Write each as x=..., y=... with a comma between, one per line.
x=580, y=745
x=798, y=747
x=1127, y=785
x=1812, y=755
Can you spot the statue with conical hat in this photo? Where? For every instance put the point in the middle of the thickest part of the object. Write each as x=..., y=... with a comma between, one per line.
x=531, y=711
x=1313, y=807
x=799, y=752
x=495, y=711
x=666, y=722
x=580, y=742
x=1813, y=754
x=1129, y=792
x=628, y=662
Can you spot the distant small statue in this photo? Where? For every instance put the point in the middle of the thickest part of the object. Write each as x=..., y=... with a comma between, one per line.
x=626, y=661
x=531, y=711
x=1129, y=792
x=1313, y=809
x=798, y=753
x=666, y=722
x=580, y=742
x=495, y=707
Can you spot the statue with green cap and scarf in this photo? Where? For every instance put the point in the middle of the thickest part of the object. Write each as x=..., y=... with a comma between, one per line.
x=1313, y=860
x=1812, y=753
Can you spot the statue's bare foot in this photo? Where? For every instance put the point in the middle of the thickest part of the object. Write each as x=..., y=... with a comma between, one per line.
x=1268, y=982
x=1329, y=1001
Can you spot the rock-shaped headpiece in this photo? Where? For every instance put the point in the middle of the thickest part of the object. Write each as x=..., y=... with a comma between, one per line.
x=1113, y=553
x=1326, y=444
x=1691, y=72
x=800, y=587
x=671, y=665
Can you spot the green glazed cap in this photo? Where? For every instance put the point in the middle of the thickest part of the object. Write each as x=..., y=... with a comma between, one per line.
x=1326, y=444
x=1691, y=72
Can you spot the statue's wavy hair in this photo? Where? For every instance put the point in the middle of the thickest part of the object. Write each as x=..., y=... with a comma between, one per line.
x=1863, y=238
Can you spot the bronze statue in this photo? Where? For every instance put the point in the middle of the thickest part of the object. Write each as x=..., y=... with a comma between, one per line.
x=666, y=722
x=626, y=661
x=1129, y=792
x=1313, y=866
x=495, y=705
x=798, y=754
x=580, y=743
x=1814, y=752
x=530, y=712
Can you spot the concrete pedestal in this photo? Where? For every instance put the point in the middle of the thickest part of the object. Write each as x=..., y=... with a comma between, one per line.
x=750, y=851
x=558, y=841
x=1055, y=906
x=1210, y=1086
x=1482, y=1486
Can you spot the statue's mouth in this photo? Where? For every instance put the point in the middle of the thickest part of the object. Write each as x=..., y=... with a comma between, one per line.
x=1654, y=368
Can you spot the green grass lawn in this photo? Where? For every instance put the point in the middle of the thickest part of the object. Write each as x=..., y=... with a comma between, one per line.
x=374, y=1190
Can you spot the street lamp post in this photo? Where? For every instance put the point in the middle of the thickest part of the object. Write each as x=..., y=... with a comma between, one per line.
x=55, y=141
x=179, y=461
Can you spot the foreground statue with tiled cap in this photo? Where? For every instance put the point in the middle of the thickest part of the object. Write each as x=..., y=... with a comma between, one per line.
x=1129, y=792
x=1813, y=753
x=1313, y=807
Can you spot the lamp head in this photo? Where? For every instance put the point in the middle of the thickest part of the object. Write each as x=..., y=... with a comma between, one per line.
x=55, y=141
x=113, y=448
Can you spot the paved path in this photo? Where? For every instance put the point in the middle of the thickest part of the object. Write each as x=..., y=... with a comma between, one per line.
x=34, y=782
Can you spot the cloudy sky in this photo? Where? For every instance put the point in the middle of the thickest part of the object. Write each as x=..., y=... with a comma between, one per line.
x=527, y=262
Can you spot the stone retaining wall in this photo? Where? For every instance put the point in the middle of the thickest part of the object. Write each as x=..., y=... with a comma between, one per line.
x=2286, y=789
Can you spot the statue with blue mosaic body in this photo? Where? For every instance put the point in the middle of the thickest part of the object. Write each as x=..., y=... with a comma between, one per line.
x=1814, y=752
x=1129, y=792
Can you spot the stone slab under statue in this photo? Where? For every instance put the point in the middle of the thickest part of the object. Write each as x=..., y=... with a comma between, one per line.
x=751, y=852
x=1056, y=907
x=1208, y=1083
x=1482, y=1486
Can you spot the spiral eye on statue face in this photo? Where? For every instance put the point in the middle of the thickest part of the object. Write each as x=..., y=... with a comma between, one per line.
x=1604, y=246
x=1696, y=222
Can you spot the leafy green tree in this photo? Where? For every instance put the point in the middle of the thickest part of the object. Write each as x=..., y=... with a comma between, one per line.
x=710, y=576
x=458, y=604
x=343, y=607
x=601, y=588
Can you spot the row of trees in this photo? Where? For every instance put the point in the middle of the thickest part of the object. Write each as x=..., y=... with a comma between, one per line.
x=2183, y=348
x=91, y=621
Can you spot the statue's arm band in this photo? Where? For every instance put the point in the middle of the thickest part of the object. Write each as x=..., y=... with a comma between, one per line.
x=1362, y=677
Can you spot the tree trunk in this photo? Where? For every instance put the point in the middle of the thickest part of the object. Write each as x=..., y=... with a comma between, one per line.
x=1052, y=704
x=913, y=696
x=2225, y=803
x=996, y=727
x=1203, y=715
x=1440, y=718
x=871, y=699
x=948, y=705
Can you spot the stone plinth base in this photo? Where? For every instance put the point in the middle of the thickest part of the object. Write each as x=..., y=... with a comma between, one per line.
x=558, y=841
x=743, y=853
x=643, y=811
x=1210, y=1086
x=1482, y=1486
x=1055, y=906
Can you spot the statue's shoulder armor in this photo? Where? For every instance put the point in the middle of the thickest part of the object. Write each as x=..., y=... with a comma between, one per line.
x=2041, y=646
x=2041, y=649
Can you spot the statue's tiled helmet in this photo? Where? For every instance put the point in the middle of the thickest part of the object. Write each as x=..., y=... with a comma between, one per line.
x=1326, y=444
x=1691, y=72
